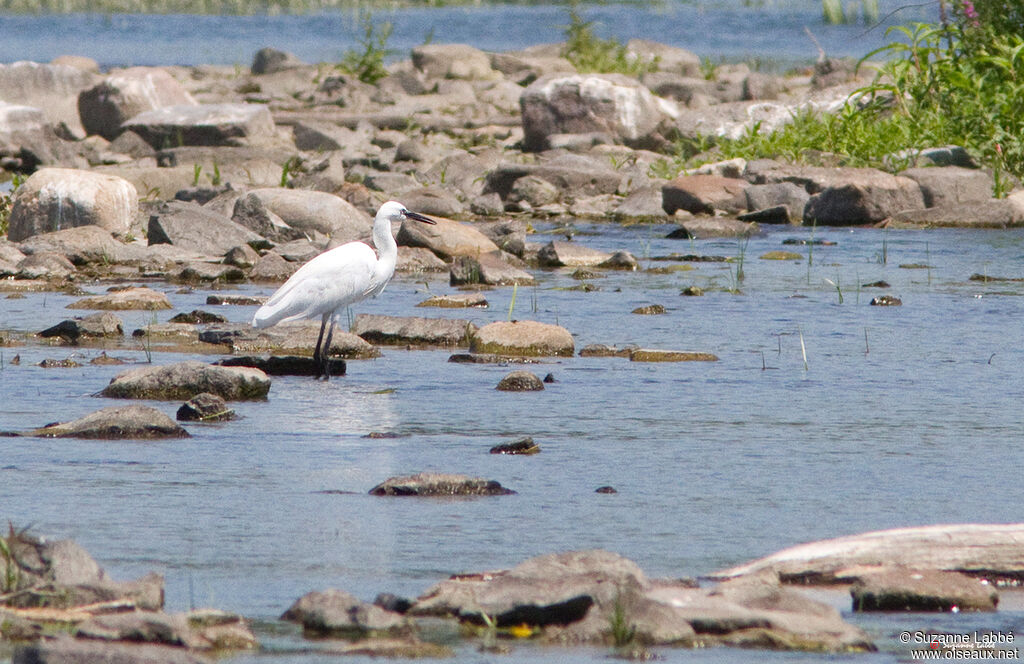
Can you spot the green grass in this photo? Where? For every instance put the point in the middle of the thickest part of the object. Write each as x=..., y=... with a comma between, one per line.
x=588, y=53
x=368, y=64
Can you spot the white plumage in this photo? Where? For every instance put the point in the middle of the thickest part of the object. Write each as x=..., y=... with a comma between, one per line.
x=327, y=284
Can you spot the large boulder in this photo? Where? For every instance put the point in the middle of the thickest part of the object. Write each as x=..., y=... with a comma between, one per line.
x=134, y=422
x=866, y=196
x=993, y=213
x=453, y=61
x=703, y=194
x=524, y=337
x=121, y=96
x=52, y=199
x=182, y=381
x=203, y=124
x=903, y=589
x=413, y=330
x=84, y=245
x=610, y=104
x=571, y=254
x=193, y=227
x=951, y=185
x=307, y=211
x=28, y=140
x=337, y=613
x=97, y=326
x=53, y=88
x=446, y=238
x=125, y=299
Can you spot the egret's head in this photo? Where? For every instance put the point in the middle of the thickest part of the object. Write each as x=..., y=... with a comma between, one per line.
x=395, y=211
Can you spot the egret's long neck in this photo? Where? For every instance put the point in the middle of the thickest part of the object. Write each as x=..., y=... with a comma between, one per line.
x=387, y=250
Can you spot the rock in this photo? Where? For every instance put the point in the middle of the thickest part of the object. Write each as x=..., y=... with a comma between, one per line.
x=433, y=202
x=604, y=350
x=198, y=317
x=457, y=61
x=270, y=60
x=922, y=590
x=703, y=194
x=781, y=256
x=620, y=260
x=184, y=380
x=205, y=407
x=116, y=423
x=418, y=260
x=533, y=190
x=643, y=204
x=560, y=254
x=271, y=267
x=705, y=227
x=763, y=197
x=198, y=630
x=653, y=355
x=298, y=338
x=204, y=124
x=196, y=272
x=669, y=58
x=29, y=141
x=193, y=227
x=52, y=199
x=886, y=301
x=988, y=550
x=573, y=175
x=185, y=333
x=123, y=300
x=121, y=96
x=491, y=268
x=308, y=211
x=529, y=338
x=520, y=381
x=404, y=648
x=237, y=300
x=99, y=325
x=59, y=364
x=651, y=309
x=446, y=238
x=45, y=265
x=337, y=613
x=489, y=358
x=242, y=256
x=411, y=330
x=780, y=214
x=993, y=213
x=459, y=301
x=439, y=484
x=52, y=88
x=522, y=446
x=67, y=650
x=611, y=104
x=605, y=489
x=84, y=245
x=867, y=196
x=487, y=205
x=287, y=365
x=951, y=185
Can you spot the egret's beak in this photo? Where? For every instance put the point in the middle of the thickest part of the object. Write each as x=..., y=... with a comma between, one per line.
x=419, y=217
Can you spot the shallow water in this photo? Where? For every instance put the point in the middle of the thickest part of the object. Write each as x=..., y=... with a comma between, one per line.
x=773, y=33
x=715, y=463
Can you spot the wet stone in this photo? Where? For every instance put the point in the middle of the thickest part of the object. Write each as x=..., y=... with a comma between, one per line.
x=522, y=446
x=198, y=316
x=886, y=301
x=649, y=310
x=205, y=407
x=286, y=365
x=439, y=484
x=520, y=381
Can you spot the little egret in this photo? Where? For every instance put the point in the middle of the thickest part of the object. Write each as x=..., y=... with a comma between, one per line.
x=337, y=278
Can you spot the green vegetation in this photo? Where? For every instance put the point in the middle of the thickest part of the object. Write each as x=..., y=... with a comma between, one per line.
x=836, y=13
x=623, y=632
x=588, y=53
x=368, y=65
x=958, y=83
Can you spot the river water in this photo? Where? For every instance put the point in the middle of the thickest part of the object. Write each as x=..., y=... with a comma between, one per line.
x=773, y=33
x=901, y=416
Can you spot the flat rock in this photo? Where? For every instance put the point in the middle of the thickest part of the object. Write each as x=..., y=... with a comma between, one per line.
x=706, y=227
x=98, y=325
x=204, y=124
x=419, y=260
x=866, y=196
x=140, y=298
x=413, y=330
x=52, y=199
x=45, y=265
x=184, y=380
x=446, y=238
x=84, y=245
x=337, y=613
x=902, y=589
x=529, y=338
x=520, y=381
x=944, y=186
x=493, y=268
x=287, y=365
x=703, y=194
x=297, y=338
x=439, y=484
x=655, y=355
x=307, y=211
x=570, y=254
x=988, y=550
x=133, y=422
x=104, y=107
x=573, y=174
x=522, y=446
x=193, y=227
x=67, y=650
x=992, y=213
x=604, y=350
x=457, y=301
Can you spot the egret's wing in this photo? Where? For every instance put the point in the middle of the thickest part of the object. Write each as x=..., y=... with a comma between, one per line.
x=330, y=281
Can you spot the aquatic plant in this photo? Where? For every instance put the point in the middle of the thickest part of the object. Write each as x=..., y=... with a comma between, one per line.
x=622, y=631
x=368, y=65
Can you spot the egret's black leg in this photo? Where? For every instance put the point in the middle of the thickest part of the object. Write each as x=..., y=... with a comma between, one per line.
x=317, y=352
x=325, y=352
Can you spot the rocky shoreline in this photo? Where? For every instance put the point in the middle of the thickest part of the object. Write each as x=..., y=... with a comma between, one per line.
x=59, y=605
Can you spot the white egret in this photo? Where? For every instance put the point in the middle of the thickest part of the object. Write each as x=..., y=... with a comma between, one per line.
x=337, y=278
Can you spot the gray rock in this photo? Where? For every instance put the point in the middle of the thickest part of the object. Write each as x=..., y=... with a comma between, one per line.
x=203, y=124
x=412, y=330
x=205, y=407
x=492, y=268
x=297, y=338
x=66, y=650
x=944, y=186
x=458, y=61
x=446, y=238
x=272, y=267
x=270, y=60
x=45, y=265
x=287, y=365
x=439, y=484
x=57, y=198
x=184, y=380
x=704, y=194
x=460, y=301
x=116, y=423
x=487, y=205
x=533, y=190
x=433, y=201
x=867, y=196
x=418, y=260
x=523, y=337
x=316, y=211
x=98, y=325
x=28, y=141
x=905, y=589
x=250, y=211
x=337, y=613
x=705, y=227
x=612, y=104
x=520, y=381
x=121, y=96
x=571, y=254
x=521, y=446
x=508, y=234
x=242, y=256
x=669, y=58
x=53, y=88
x=193, y=227
x=767, y=196
x=993, y=213
x=138, y=298
x=84, y=245
x=643, y=204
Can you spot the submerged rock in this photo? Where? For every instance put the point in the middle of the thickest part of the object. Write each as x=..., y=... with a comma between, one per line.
x=439, y=484
x=205, y=407
x=184, y=380
x=337, y=613
x=657, y=355
x=133, y=422
x=413, y=330
x=99, y=325
x=287, y=365
x=520, y=381
x=522, y=446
